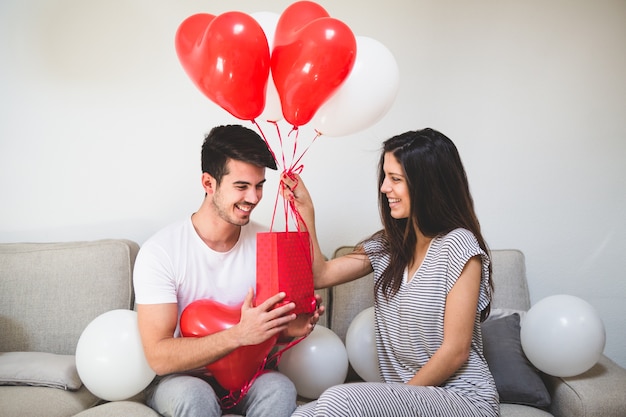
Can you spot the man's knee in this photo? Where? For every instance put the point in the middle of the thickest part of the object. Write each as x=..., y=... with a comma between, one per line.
x=272, y=394
x=183, y=395
x=279, y=387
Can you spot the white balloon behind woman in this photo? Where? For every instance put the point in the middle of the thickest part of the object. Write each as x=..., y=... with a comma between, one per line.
x=562, y=335
x=109, y=356
x=361, y=346
x=365, y=96
x=316, y=363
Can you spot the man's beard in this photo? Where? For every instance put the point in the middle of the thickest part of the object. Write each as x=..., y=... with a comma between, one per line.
x=230, y=218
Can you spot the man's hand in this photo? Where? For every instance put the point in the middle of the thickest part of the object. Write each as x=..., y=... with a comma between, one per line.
x=304, y=323
x=259, y=323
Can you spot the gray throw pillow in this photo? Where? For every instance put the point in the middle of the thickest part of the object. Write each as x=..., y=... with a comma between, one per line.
x=517, y=380
x=39, y=369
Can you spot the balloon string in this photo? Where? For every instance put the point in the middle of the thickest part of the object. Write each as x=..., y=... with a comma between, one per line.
x=290, y=206
x=274, y=212
x=297, y=217
x=275, y=159
x=280, y=140
x=266, y=142
x=234, y=397
x=296, y=133
x=275, y=358
x=317, y=135
x=295, y=166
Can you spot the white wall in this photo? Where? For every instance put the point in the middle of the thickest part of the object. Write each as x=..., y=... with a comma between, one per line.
x=100, y=129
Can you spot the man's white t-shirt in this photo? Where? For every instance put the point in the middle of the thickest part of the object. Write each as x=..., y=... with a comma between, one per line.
x=176, y=266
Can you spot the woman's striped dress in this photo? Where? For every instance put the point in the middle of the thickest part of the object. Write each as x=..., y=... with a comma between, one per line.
x=409, y=330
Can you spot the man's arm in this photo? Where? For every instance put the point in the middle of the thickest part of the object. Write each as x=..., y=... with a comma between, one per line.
x=167, y=354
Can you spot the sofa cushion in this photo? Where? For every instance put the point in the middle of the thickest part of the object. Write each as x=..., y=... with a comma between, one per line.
x=498, y=313
x=509, y=280
x=119, y=408
x=49, y=292
x=517, y=381
x=26, y=401
x=39, y=369
x=516, y=410
x=349, y=299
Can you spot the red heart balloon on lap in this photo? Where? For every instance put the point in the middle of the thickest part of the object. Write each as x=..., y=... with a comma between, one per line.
x=235, y=370
x=228, y=58
x=310, y=60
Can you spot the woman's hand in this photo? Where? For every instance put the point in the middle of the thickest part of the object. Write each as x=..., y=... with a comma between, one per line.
x=292, y=189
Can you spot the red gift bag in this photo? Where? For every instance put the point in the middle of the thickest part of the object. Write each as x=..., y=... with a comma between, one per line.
x=283, y=263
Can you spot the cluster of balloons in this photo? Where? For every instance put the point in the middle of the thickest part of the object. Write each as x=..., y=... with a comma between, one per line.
x=111, y=363
x=302, y=65
x=562, y=335
x=109, y=356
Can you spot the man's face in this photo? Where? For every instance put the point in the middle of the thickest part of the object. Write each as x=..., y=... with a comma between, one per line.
x=239, y=192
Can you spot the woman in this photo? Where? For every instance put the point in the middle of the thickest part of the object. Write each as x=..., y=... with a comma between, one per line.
x=432, y=287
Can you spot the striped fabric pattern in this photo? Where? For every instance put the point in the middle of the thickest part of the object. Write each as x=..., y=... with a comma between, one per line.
x=409, y=330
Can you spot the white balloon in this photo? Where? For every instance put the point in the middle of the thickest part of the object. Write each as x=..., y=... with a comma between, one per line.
x=365, y=96
x=109, y=356
x=273, y=110
x=361, y=346
x=316, y=363
x=562, y=335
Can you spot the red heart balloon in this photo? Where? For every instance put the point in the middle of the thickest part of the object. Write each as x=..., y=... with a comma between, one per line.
x=228, y=58
x=312, y=66
x=191, y=31
x=294, y=17
x=235, y=370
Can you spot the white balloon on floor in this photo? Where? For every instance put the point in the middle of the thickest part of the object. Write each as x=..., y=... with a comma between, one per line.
x=361, y=346
x=316, y=363
x=563, y=335
x=109, y=356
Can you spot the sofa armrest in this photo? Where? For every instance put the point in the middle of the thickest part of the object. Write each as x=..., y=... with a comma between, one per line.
x=598, y=392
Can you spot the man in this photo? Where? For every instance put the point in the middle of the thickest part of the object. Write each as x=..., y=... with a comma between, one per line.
x=212, y=255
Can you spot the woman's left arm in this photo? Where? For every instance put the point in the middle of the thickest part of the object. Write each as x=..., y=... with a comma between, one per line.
x=458, y=327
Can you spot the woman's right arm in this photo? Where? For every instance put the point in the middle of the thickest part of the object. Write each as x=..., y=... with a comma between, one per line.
x=325, y=273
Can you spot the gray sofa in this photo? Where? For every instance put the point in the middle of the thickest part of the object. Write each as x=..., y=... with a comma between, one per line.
x=50, y=292
x=600, y=392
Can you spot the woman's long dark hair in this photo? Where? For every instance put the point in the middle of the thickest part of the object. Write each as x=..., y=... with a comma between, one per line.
x=440, y=200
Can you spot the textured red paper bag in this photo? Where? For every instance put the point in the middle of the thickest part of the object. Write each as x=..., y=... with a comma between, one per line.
x=283, y=263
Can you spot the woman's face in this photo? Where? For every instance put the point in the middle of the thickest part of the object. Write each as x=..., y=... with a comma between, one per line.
x=395, y=187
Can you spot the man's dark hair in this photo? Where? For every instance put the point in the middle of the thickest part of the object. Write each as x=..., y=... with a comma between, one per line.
x=234, y=142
